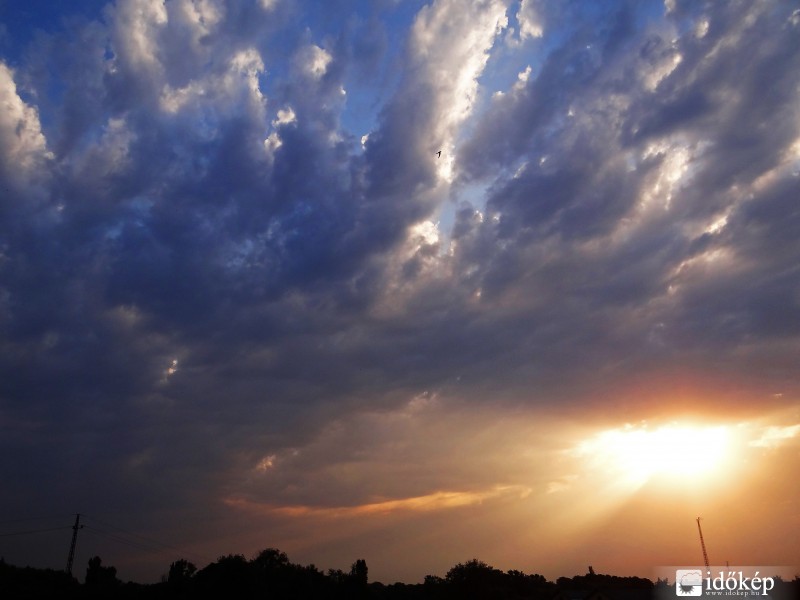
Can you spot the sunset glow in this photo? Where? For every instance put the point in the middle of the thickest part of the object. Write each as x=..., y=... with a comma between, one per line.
x=639, y=453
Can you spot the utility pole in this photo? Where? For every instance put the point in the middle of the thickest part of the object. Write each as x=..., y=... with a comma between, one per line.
x=75, y=529
x=702, y=544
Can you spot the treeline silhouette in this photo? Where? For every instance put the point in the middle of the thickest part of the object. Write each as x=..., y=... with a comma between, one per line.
x=270, y=575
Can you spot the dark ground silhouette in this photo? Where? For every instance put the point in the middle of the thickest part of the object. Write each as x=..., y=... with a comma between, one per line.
x=270, y=575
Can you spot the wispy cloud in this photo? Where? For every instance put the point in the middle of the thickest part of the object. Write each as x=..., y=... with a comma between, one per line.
x=774, y=436
x=435, y=501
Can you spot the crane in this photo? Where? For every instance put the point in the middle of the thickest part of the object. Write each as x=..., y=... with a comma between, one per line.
x=702, y=543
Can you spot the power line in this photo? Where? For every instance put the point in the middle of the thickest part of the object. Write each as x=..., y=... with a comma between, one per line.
x=109, y=531
x=9, y=534
x=59, y=517
x=138, y=541
x=117, y=538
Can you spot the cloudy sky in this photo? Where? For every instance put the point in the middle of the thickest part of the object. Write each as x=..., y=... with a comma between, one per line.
x=245, y=303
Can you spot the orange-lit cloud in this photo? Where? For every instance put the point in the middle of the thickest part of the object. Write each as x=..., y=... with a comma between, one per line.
x=430, y=502
x=774, y=436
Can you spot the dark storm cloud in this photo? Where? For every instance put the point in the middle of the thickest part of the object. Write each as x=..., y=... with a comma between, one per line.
x=170, y=233
x=595, y=136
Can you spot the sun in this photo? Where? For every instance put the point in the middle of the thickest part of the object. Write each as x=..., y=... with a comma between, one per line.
x=637, y=454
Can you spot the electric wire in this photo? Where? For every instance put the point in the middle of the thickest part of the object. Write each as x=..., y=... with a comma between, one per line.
x=59, y=517
x=116, y=538
x=135, y=540
x=111, y=532
x=11, y=533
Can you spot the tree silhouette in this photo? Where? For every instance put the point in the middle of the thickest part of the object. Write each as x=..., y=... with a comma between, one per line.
x=277, y=577
x=180, y=577
x=28, y=582
x=270, y=574
x=181, y=571
x=98, y=576
x=230, y=576
x=271, y=559
x=358, y=572
x=474, y=579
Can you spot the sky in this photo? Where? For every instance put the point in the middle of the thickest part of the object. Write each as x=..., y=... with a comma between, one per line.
x=245, y=302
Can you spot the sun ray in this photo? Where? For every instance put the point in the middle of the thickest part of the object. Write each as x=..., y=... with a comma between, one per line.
x=634, y=455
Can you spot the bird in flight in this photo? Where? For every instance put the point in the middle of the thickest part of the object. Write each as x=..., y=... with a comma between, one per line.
x=439, y=154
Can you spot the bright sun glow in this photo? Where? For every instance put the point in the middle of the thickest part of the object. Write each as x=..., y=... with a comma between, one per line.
x=638, y=454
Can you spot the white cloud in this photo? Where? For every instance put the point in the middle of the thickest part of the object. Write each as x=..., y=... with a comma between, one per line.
x=701, y=29
x=169, y=371
x=266, y=463
x=452, y=40
x=115, y=145
x=285, y=117
x=198, y=17
x=413, y=266
x=314, y=61
x=23, y=147
x=273, y=142
x=224, y=92
x=530, y=22
x=247, y=66
x=675, y=158
x=653, y=75
x=523, y=77
x=135, y=31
